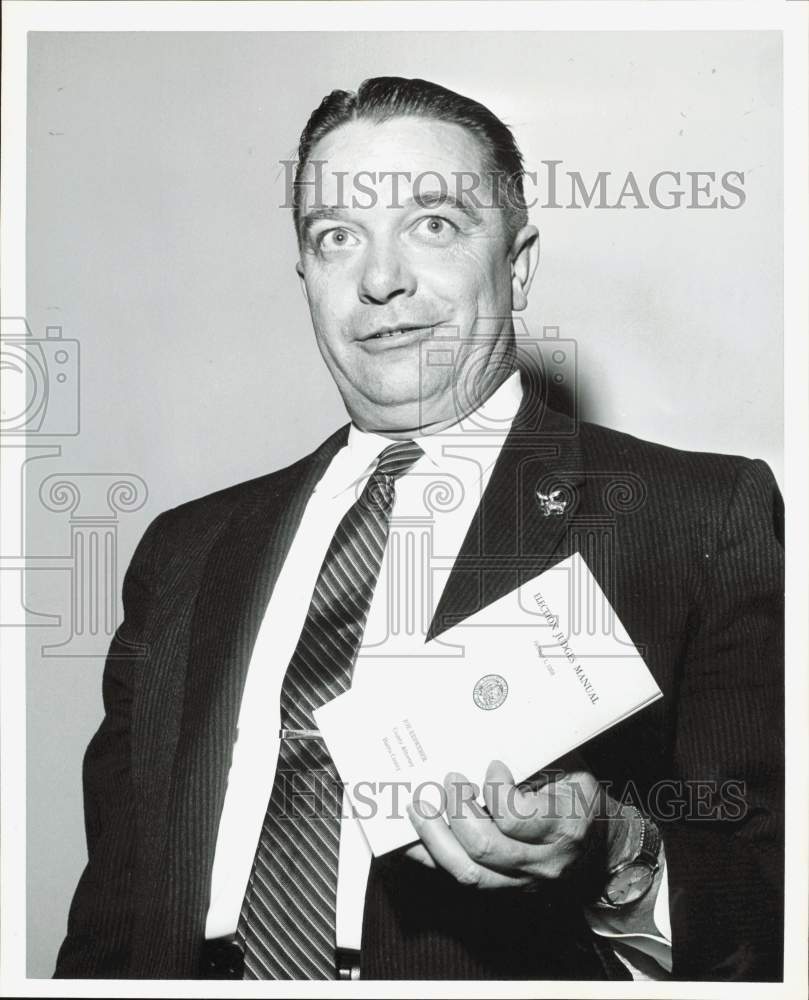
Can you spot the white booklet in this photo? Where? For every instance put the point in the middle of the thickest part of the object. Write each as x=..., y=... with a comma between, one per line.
x=525, y=680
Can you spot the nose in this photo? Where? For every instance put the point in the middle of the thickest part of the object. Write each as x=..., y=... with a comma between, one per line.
x=385, y=274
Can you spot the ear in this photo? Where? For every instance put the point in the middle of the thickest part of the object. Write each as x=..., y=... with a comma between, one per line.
x=524, y=255
x=299, y=270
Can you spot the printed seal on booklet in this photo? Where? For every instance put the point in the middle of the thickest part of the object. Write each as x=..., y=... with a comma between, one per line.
x=490, y=692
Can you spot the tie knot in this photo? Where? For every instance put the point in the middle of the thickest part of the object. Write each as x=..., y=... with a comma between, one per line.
x=398, y=458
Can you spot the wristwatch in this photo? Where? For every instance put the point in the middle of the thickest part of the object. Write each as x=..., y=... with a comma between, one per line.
x=630, y=880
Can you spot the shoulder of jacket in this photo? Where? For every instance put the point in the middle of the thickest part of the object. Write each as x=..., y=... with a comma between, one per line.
x=629, y=452
x=699, y=487
x=218, y=506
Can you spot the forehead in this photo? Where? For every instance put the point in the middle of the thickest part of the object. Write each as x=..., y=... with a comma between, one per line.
x=409, y=146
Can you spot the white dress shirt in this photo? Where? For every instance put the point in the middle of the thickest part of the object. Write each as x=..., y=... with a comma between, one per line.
x=434, y=506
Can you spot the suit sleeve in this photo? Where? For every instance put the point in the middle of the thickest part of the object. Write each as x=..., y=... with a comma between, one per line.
x=725, y=853
x=101, y=914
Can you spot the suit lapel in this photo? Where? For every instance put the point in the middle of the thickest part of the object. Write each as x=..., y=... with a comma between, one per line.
x=511, y=538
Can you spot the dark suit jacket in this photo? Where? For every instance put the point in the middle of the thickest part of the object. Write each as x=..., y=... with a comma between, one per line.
x=685, y=545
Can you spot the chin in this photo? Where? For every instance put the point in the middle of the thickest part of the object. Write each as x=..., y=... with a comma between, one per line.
x=397, y=408
x=387, y=386
x=391, y=407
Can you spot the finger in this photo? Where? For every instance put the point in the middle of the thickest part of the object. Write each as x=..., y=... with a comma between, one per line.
x=498, y=775
x=418, y=852
x=479, y=835
x=445, y=850
x=516, y=810
x=540, y=816
x=568, y=811
x=502, y=796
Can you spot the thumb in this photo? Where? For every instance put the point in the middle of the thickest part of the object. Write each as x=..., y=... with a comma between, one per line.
x=497, y=785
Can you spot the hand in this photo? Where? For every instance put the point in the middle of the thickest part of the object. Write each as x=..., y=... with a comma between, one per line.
x=547, y=828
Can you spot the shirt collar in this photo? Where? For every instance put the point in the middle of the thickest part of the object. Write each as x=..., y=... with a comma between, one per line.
x=491, y=422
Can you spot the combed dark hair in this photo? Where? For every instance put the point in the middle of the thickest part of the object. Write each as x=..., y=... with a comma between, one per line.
x=384, y=97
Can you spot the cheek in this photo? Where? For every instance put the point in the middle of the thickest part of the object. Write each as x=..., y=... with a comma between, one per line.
x=465, y=274
x=330, y=302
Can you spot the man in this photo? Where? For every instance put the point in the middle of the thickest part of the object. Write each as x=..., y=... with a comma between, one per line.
x=247, y=609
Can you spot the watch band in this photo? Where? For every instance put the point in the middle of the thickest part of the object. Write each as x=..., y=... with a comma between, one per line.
x=647, y=855
x=649, y=841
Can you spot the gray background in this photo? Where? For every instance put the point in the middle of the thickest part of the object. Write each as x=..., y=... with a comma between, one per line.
x=156, y=239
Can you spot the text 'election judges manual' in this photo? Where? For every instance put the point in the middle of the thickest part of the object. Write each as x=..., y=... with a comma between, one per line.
x=525, y=680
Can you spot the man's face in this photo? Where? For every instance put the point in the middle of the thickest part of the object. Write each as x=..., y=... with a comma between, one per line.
x=390, y=264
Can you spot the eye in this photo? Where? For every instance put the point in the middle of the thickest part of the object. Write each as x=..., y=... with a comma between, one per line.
x=336, y=239
x=435, y=229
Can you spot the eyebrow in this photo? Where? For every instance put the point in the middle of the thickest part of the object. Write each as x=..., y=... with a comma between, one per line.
x=322, y=213
x=438, y=199
x=427, y=199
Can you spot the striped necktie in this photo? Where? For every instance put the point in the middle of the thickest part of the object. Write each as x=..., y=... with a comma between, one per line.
x=287, y=922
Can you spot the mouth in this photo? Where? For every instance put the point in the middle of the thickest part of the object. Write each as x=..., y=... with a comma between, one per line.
x=404, y=335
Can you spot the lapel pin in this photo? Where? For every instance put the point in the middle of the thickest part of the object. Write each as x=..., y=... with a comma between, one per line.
x=551, y=503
